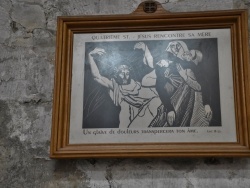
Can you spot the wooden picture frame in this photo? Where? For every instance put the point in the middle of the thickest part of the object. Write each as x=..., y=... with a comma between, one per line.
x=95, y=50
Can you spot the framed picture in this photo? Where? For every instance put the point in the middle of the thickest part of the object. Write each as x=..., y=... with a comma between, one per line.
x=152, y=84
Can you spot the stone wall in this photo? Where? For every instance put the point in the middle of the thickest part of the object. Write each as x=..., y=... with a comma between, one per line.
x=27, y=57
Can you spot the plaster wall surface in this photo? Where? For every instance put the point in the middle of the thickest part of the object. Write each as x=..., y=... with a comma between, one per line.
x=27, y=57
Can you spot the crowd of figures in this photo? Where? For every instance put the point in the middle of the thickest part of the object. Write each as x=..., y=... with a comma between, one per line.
x=173, y=93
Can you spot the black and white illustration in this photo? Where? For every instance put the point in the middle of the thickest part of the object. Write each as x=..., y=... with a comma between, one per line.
x=152, y=83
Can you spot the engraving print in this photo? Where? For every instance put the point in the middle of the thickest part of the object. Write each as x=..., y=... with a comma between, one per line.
x=147, y=84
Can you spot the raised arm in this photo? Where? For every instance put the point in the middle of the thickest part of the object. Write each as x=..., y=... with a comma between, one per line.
x=95, y=71
x=148, y=58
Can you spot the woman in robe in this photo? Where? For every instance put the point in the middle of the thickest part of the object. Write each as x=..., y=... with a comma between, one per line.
x=177, y=87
